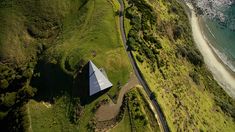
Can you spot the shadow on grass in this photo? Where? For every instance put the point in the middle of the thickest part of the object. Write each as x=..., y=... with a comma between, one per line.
x=53, y=82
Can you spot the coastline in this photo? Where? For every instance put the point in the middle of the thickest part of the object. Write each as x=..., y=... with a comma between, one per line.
x=200, y=21
x=220, y=71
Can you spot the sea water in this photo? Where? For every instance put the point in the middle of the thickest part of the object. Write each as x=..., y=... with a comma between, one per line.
x=219, y=29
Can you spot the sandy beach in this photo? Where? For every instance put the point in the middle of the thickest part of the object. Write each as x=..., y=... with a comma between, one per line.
x=221, y=73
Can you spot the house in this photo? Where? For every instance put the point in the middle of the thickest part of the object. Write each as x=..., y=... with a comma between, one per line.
x=98, y=80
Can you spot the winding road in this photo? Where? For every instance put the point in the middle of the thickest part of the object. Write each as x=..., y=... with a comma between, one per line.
x=138, y=74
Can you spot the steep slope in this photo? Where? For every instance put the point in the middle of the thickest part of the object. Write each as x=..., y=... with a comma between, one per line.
x=159, y=37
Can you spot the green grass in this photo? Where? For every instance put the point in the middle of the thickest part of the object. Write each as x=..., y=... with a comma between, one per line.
x=54, y=118
x=187, y=105
x=124, y=125
x=96, y=32
x=57, y=117
x=54, y=37
x=138, y=114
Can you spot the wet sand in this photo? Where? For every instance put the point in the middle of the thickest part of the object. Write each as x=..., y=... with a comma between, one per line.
x=222, y=74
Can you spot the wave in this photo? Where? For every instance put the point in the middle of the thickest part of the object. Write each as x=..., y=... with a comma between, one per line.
x=227, y=59
x=224, y=77
x=210, y=31
x=214, y=9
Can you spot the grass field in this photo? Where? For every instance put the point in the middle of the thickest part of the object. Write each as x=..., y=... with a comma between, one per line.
x=45, y=117
x=96, y=34
x=189, y=97
x=56, y=38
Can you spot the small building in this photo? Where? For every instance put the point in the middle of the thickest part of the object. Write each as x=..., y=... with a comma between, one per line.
x=98, y=80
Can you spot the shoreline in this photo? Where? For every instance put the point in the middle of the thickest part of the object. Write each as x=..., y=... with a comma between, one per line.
x=230, y=71
x=224, y=76
x=213, y=48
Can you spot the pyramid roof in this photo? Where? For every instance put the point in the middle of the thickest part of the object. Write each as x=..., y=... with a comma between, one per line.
x=97, y=80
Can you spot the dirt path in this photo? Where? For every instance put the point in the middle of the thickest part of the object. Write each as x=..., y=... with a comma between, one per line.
x=109, y=111
x=29, y=118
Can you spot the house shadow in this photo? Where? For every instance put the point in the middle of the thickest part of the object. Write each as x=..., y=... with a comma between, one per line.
x=52, y=82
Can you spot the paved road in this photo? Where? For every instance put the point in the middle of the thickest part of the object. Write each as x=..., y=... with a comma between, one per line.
x=138, y=73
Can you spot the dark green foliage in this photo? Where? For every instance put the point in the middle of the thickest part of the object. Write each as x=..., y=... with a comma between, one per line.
x=226, y=107
x=225, y=102
x=43, y=28
x=149, y=53
x=76, y=110
x=133, y=33
x=136, y=22
x=16, y=119
x=195, y=77
x=132, y=44
x=177, y=31
x=174, y=9
x=14, y=87
x=139, y=58
x=140, y=37
x=91, y=125
x=8, y=100
x=192, y=54
x=4, y=84
x=145, y=8
x=155, y=51
x=137, y=116
x=26, y=92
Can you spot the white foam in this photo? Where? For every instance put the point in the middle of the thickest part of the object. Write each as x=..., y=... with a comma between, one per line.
x=221, y=74
x=225, y=59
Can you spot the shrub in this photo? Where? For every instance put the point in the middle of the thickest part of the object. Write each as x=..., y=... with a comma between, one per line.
x=177, y=31
x=193, y=55
x=136, y=22
x=139, y=58
x=132, y=44
x=195, y=58
x=195, y=77
x=4, y=84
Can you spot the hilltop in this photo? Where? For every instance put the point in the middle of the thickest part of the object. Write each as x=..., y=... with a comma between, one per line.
x=44, y=49
x=44, y=46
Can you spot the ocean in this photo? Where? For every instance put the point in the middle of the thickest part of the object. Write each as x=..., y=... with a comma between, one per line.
x=219, y=29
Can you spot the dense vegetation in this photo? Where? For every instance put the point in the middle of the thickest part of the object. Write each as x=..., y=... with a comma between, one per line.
x=138, y=115
x=160, y=38
x=44, y=46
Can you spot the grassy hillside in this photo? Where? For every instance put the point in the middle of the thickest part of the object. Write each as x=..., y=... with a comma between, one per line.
x=160, y=39
x=44, y=46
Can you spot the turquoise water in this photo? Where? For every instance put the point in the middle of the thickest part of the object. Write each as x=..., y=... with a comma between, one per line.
x=222, y=36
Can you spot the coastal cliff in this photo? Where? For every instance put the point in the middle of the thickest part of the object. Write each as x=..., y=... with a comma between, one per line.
x=161, y=39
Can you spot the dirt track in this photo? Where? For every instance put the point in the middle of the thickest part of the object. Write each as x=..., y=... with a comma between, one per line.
x=109, y=111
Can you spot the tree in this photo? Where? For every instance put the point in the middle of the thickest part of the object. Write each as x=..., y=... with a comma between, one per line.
x=139, y=58
x=4, y=84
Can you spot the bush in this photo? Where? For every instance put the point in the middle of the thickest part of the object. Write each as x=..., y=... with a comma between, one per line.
x=132, y=44
x=195, y=77
x=177, y=31
x=148, y=52
x=139, y=58
x=136, y=22
x=193, y=55
x=195, y=58
x=4, y=84
x=9, y=99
